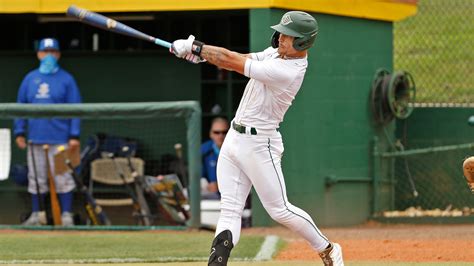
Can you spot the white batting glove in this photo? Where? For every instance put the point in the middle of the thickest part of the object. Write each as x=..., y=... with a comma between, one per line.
x=195, y=59
x=182, y=47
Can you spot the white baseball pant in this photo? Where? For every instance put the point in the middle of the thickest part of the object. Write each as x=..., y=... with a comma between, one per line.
x=247, y=160
x=64, y=183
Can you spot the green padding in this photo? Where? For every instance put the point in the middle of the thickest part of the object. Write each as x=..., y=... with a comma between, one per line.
x=189, y=110
x=101, y=110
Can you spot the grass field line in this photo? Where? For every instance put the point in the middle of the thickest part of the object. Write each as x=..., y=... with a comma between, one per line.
x=116, y=260
x=267, y=249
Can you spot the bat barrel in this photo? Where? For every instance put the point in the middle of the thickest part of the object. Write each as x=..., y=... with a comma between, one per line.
x=75, y=11
x=103, y=22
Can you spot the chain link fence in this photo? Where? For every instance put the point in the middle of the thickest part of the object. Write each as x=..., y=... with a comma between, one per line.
x=437, y=47
x=429, y=182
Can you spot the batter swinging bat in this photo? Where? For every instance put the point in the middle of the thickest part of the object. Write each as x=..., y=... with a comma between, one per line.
x=109, y=24
x=55, y=208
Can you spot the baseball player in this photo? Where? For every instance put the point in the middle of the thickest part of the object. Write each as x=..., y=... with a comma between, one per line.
x=48, y=84
x=252, y=151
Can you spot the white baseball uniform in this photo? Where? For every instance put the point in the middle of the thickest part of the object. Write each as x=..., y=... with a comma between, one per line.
x=252, y=155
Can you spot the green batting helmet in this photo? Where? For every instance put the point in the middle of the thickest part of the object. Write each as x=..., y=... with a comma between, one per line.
x=298, y=24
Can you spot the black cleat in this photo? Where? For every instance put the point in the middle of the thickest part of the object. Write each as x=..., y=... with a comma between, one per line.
x=220, y=250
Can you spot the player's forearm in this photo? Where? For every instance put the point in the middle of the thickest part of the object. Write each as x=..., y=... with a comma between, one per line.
x=224, y=58
x=246, y=55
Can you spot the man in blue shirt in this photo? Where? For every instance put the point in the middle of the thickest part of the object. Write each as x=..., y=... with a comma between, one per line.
x=48, y=84
x=210, y=152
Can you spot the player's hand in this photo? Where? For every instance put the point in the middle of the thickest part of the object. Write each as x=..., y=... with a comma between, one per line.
x=20, y=142
x=182, y=47
x=195, y=59
x=212, y=187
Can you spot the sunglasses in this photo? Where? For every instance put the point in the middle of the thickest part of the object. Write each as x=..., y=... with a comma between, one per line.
x=217, y=132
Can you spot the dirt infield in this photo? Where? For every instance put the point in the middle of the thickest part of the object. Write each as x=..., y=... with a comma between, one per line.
x=387, y=243
x=370, y=244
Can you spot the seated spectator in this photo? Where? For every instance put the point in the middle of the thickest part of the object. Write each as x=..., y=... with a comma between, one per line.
x=210, y=153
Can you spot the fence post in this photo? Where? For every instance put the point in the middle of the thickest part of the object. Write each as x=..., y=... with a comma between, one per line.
x=375, y=174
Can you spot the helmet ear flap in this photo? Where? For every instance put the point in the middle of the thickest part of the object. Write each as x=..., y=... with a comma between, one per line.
x=274, y=39
x=304, y=43
x=300, y=43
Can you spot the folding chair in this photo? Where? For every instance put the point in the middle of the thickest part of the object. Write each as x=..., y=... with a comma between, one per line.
x=106, y=175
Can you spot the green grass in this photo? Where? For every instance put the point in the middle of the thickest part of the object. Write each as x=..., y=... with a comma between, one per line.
x=146, y=247
x=284, y=263
x=280, y=246
x=436, y=47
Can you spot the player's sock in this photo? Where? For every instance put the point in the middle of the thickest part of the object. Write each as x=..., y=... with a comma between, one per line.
x=35, y=202
x=66, y=201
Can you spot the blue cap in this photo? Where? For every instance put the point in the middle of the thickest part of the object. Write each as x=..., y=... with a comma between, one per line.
x=48, y=44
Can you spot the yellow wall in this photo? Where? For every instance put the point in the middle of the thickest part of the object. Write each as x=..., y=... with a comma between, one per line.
x=389, y=10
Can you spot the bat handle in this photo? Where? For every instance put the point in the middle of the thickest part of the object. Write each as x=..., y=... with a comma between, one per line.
x=160, y=42
x=178, y=147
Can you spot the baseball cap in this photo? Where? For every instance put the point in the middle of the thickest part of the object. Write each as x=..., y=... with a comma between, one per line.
x=48, y=44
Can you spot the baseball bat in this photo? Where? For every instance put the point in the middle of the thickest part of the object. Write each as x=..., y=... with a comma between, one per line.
x=55, y=208
x=178, y=147
x=103, y=22
x=94, y=211
x=144, y=208
x=140, y=209
x=42, y=212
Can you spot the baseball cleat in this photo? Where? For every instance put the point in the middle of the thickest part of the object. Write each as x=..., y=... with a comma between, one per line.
x=33, y=220
x=220, y=250
x=332, y=256
x=67, y=219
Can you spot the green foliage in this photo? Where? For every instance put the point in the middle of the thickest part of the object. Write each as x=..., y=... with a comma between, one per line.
x=436, y=47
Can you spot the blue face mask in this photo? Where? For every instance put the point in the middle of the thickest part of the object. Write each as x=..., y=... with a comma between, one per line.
x=49, y=65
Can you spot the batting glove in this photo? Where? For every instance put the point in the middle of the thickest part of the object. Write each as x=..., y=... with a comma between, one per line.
x=189, y=46
x=182, y=47
x=195, y=59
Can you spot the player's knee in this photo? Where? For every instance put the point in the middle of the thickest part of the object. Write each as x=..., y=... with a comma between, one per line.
x=231, y=211
x=281, y=216
x=220, y=250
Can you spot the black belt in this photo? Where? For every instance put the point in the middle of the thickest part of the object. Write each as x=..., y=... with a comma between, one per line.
x=243, y=129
